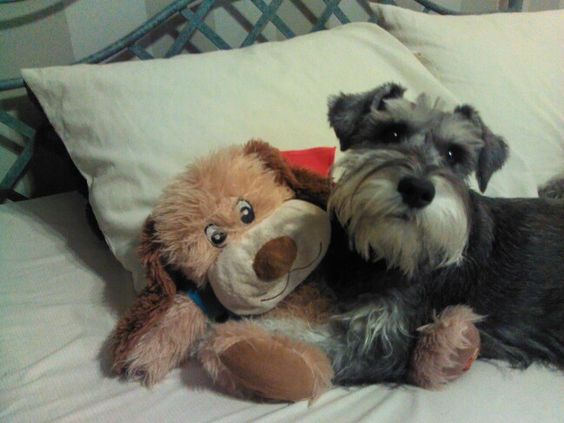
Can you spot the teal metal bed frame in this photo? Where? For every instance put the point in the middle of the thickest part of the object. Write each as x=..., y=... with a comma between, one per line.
x=194, y=13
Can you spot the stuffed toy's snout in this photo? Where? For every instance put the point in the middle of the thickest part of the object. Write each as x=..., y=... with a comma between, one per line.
x=252, y=275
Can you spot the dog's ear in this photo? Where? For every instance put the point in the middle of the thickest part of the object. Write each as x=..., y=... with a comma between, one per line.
x=307, y=185
x=493, y=154
x=346, y=111
x=150, y=252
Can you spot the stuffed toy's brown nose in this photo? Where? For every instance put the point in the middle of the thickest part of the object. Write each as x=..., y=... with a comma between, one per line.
x=275, y=258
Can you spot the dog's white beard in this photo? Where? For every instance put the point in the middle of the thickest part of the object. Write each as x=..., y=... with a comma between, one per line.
x=370, y=208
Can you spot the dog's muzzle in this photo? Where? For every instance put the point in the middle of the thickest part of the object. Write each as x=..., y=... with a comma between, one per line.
x=394, y=208
x=252, y=275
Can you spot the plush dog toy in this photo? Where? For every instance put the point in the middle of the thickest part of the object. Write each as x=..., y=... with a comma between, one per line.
x=242, y=230
x=246, y=225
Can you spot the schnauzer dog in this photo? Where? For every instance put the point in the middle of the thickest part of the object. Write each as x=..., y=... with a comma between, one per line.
x=421, y=240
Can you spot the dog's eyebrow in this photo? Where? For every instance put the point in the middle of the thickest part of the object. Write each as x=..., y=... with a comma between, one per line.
x=384, y=126
x=392, y=163
x=463, y=134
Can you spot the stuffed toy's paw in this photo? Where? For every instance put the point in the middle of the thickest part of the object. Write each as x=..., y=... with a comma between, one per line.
x=446, y=348
x=244, y=359
x=155, y=336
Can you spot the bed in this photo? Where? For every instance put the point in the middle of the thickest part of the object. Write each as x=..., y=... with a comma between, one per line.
x=66, y=278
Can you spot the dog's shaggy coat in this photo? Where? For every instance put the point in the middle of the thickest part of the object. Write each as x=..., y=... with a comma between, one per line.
x=437, y=244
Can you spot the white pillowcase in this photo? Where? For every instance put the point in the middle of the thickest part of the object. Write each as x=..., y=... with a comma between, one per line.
x=509, y=66
x=130, y=127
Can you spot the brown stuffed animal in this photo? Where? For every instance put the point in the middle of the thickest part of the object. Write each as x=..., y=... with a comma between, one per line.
x=246, y=224
x=236, y=221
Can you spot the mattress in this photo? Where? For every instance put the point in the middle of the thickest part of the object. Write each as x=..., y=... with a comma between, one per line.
x=61, y=292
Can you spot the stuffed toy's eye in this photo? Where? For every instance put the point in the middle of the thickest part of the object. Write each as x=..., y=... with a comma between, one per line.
x=454, y=154
x=215, y=235
x=246, y=211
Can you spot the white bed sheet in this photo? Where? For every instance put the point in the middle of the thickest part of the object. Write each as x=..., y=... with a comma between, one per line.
x=61, y=292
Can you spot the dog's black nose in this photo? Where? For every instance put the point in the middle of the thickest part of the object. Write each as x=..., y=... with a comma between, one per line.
x=416, y=192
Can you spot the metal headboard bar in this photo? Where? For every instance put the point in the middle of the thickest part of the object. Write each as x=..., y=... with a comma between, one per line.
x=191, y=27
x=261, y=23
x=209, y=33
x=137, y=34
x=195, y=13
x=332, y=7
x=19, y=167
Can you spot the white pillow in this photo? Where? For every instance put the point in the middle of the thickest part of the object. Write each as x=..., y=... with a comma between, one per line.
x=130, y=127
x=509, y=66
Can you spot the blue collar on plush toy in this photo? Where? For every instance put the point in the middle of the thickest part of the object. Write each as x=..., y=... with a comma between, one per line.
x=208, y=303
x=204, y=298
x=194, y=295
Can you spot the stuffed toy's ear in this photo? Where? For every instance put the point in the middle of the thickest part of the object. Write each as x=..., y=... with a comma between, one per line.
x=149, y=306
x=346, y=111
x=150, y=252
x=495, y=151
x=308, y=185
x=161, y=327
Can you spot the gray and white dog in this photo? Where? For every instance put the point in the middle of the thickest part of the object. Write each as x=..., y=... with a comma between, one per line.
x=421, y=240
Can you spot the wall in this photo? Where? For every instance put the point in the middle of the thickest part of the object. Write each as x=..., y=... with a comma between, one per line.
x=50, y=32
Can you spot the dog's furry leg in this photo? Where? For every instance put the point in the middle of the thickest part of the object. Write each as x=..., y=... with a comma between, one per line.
x=372, y=343
x=156, y=335
x=446, y=348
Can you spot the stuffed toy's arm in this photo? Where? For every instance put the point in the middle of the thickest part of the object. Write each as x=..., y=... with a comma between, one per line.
x=156, y=334
x=162, y=326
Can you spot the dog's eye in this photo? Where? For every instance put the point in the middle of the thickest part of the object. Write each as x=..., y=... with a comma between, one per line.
x=392, y=134
x=246, y=211
x=454, y=155
x=215, y=235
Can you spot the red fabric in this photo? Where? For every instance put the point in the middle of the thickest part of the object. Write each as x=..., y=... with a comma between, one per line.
x=318, y=159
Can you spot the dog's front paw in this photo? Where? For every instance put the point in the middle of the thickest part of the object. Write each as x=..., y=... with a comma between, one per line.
x=166, y=340
x=446, y=348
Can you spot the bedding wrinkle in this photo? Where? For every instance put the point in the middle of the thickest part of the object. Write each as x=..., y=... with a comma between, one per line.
x=61, y=237
x=53, y=368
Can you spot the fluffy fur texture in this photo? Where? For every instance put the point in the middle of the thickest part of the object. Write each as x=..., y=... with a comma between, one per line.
x=366, y=201
x=217, y=205
x=455, y=342
x=207, y=193
x=554, y=188
x=309, y=303
x=285, y=360
x=297, y=349
x=167, y=342
x=253, y=274
x=436, y=244
x=144, y=314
